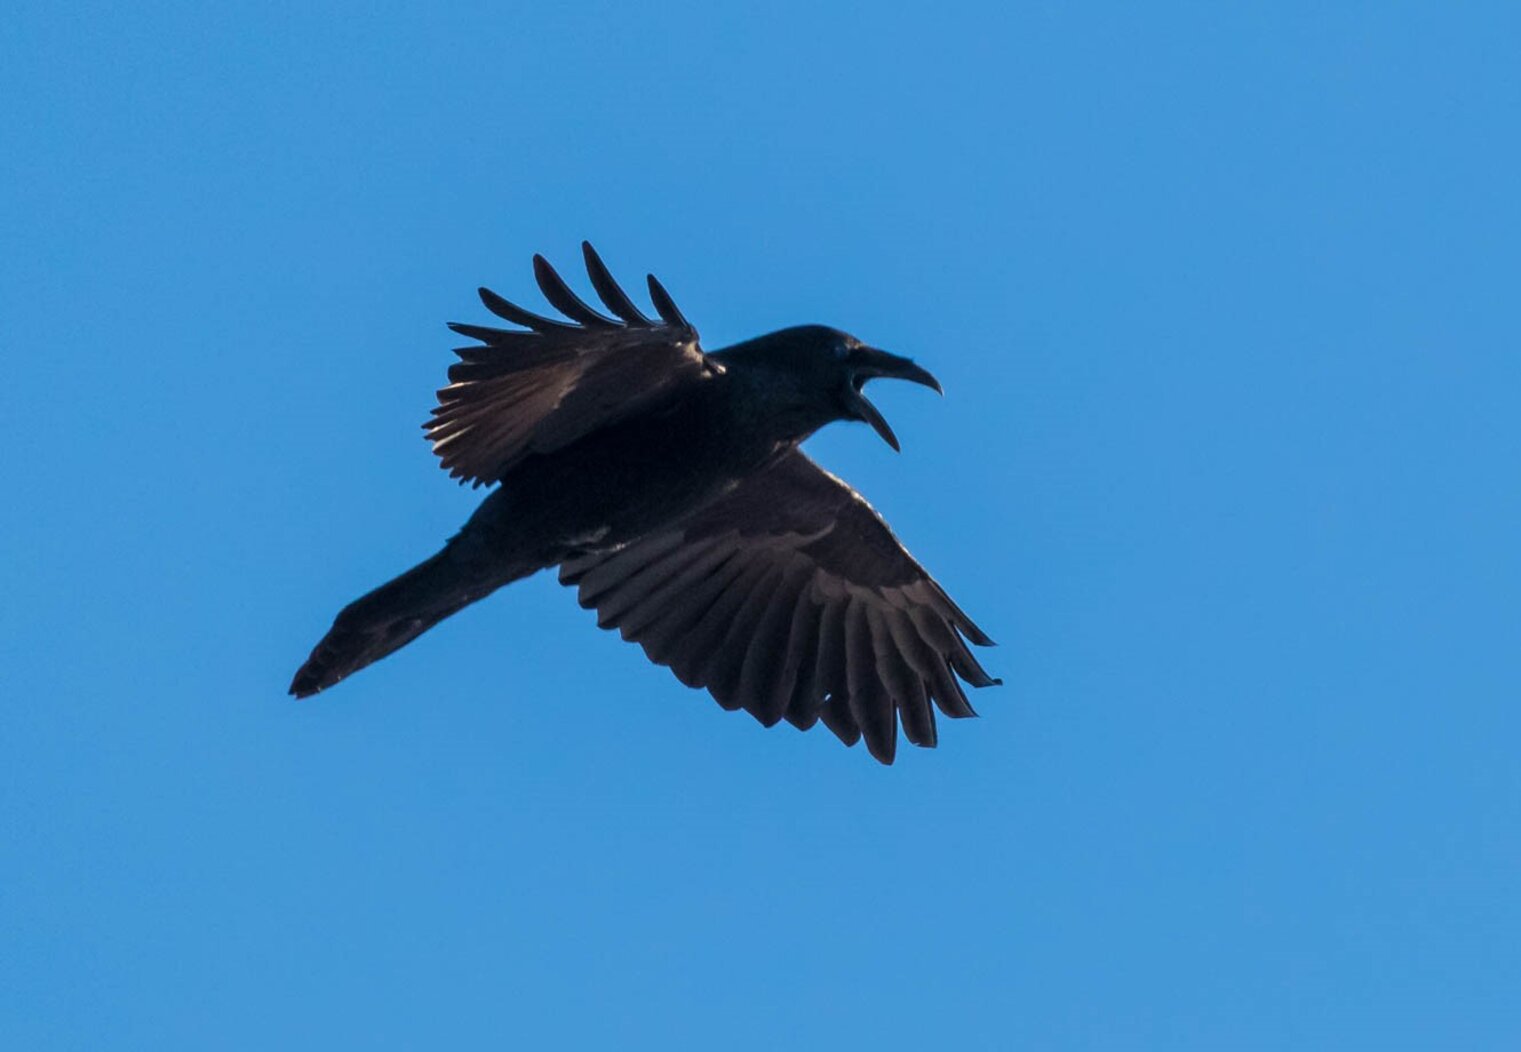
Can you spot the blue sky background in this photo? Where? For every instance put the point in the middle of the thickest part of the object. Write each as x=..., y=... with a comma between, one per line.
x=1225, y=304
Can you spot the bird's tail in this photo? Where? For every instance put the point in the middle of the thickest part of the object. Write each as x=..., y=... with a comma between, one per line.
x=396, y=613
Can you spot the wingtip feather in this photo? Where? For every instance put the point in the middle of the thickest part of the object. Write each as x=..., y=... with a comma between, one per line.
x=664, y=305
x=611, y=294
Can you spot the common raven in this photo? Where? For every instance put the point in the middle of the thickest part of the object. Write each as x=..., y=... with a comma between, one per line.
x=667, y=485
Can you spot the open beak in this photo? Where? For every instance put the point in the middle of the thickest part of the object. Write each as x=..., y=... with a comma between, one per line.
x=868, y=363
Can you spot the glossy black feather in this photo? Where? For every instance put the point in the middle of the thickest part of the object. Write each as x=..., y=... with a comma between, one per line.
x=503, y=308
x=612, y=296
x=564, y=300
x=664, y=305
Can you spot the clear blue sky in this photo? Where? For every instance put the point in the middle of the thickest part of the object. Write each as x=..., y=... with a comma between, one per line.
x=1225, y=305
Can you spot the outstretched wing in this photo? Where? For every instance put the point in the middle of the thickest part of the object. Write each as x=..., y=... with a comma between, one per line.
x=789, y=597
x=539, y=388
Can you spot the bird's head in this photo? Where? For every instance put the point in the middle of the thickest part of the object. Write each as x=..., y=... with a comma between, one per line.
x=828, y=368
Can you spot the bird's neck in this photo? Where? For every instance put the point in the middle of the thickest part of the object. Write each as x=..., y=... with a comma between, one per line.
x=766, y=407
x=771, y=403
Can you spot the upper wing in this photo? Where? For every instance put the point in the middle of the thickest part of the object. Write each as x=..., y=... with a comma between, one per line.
x=790, y=597
x=532, y=392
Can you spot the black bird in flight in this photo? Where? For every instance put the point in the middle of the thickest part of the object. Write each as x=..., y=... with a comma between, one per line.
x=667, y=485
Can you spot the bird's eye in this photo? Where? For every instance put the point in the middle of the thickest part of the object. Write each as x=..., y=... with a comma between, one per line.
x=840, y=350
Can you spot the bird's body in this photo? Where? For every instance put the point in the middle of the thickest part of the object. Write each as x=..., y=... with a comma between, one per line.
x=668, y=484
x=613, y=486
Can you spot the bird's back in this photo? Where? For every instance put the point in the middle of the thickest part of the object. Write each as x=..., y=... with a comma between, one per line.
x=636, y=475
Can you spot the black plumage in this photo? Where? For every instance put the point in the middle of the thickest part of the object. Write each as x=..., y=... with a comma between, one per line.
x=667, y=485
